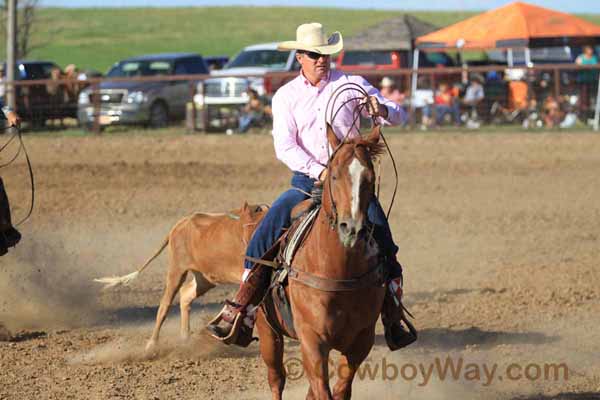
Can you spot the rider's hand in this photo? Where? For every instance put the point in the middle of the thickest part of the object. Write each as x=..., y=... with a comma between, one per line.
x=13, y=119
x=374, y=108
x=323, y=175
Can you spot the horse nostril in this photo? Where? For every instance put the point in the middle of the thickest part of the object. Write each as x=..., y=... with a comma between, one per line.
x=343, y=227
x=347, y=229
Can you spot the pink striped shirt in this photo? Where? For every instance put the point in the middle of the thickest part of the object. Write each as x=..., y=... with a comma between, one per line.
x=299, y=129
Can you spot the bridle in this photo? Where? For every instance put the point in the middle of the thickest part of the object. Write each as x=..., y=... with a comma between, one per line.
x=17, y=134
x=358, y=109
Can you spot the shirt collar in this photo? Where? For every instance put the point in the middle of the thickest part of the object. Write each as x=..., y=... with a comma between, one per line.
x=321, y=83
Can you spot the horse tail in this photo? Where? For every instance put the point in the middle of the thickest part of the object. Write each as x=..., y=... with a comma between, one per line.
x=114, y=281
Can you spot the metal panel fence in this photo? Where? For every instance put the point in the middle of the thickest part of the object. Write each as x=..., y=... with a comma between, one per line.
x=547, y=96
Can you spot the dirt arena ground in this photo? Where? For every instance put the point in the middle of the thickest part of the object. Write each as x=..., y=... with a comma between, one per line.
x=499, y=234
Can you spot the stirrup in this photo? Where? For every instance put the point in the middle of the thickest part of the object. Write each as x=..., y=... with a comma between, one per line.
x=239, y=334
x=397, y=337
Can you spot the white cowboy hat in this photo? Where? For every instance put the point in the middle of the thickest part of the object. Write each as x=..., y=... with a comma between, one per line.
x=387, y=82
x=514, y=74
x=311, y=37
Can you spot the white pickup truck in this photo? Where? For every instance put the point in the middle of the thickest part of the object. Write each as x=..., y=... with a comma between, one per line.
x=224, y=95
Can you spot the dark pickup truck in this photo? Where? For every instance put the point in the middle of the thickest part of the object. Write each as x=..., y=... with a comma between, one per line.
x=38, y=103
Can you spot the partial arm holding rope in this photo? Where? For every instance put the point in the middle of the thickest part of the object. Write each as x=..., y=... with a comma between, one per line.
x=10, y=115
x=17, y=134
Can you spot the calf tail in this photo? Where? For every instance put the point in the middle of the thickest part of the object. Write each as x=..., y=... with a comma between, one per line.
x=114, y=281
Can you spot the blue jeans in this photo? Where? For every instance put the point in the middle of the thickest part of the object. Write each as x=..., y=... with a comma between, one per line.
x=245, y=121
x=441, y=110
x=278, y=218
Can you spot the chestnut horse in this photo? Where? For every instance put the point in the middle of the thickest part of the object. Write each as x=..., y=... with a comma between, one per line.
x=341, y=315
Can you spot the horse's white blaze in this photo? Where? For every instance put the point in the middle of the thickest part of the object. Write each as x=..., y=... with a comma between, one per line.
x=356, y=169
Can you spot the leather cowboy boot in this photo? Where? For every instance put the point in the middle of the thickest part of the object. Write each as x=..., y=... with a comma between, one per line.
x=9, y=236
x=392, y=313
x=234, y=324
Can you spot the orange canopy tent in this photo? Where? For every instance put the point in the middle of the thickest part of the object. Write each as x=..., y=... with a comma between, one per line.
x=515, y=25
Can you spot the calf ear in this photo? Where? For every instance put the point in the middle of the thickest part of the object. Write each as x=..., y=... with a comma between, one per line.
x=245, y=211
x=334, y=142
x=375, y=135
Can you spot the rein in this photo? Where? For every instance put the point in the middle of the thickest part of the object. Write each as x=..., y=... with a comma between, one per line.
x=17, y=134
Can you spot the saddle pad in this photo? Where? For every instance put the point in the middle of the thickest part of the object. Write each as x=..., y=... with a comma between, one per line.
x=297, y=235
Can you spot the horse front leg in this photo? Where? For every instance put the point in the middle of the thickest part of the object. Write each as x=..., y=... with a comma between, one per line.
x=271, y=350
x=315, y=358
x=346, y=371
x=350, y=362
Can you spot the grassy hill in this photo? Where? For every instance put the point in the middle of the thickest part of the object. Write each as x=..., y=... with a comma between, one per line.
x=96, y=38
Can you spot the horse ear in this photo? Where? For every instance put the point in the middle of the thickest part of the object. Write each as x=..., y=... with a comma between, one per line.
x=375, y=135
x=334, y=142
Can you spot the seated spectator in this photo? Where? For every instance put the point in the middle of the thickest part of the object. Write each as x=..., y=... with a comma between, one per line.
x=552, y=113
x=390, y=92
x=492, y=76
x=444, y=103
x=543, y=88
x=474, y=95
x=422, y=101
x=518, y=97
x=254, y=112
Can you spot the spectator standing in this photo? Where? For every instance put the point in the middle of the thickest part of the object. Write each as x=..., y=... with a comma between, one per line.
x=72, y=87
x=587, y=57
x=53, y=88
x=587, y=79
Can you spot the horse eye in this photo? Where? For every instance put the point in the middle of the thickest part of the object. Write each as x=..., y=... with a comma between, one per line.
x=333, y=177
